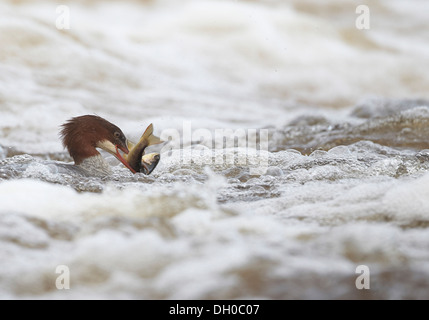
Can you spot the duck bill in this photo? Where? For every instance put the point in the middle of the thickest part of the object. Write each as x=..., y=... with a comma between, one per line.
x=120, y=158
x=149, y=162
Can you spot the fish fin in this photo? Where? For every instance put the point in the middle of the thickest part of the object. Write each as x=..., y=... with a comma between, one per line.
x=154, y=140
x=147, y=132
x=130, y=144
x=148, y=135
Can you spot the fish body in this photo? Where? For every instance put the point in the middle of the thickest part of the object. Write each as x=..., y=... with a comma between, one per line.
x=136, y=158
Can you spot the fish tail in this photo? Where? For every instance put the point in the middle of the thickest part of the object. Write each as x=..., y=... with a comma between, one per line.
x=149, y=137
x=154, y=140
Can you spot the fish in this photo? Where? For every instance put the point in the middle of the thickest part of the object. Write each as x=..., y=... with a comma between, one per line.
x=138, y=161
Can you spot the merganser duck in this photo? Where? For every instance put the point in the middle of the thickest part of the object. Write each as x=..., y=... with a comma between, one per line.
x=82, y=135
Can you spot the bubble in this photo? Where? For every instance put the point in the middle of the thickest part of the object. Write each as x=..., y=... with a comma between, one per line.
x=2, y=153
x=274, y=171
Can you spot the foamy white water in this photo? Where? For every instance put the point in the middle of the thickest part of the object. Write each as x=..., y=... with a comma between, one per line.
x=347, y=165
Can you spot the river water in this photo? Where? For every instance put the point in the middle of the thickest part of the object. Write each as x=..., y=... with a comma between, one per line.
x=297, y=152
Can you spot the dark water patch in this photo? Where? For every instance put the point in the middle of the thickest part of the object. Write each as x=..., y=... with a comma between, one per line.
x=408, y=129
x=380, y=108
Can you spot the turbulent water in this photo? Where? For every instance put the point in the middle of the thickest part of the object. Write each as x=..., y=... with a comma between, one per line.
x=328, y=169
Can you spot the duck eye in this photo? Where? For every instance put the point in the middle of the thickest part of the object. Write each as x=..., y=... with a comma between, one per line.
x=117, y=134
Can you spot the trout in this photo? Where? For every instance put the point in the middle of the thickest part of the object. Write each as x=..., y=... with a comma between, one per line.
x=136, y=158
